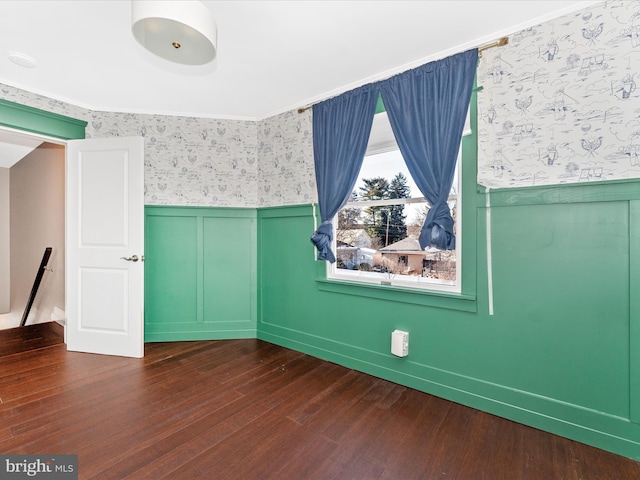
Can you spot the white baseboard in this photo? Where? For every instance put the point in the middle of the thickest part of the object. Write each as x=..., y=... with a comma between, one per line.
x=59, y=316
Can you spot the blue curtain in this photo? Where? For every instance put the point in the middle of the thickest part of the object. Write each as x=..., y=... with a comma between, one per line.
x=341, y=128
x=427, y=108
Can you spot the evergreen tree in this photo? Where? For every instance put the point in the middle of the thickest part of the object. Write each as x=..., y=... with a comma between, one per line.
x=376, y=188
x=386, y=223
x=397, y=230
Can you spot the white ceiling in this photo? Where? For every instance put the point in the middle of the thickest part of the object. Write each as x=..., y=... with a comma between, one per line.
x=14, y=147
x=272, y=55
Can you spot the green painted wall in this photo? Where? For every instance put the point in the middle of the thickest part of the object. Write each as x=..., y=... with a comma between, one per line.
x=556, y=354
x=200, y=273
x=561, y=351
x=34, y=120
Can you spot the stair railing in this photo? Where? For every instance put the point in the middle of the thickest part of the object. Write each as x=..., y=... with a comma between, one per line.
x=36, y=284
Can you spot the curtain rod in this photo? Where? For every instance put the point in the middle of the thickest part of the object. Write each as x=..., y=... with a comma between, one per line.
x=498, y=43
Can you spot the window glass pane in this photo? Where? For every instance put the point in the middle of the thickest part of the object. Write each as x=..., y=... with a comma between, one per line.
x=377, y=232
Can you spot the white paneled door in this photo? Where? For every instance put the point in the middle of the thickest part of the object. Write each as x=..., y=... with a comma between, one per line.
x=105, y=246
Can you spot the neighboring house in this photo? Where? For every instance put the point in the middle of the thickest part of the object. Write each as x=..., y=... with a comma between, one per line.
x=352, y=258
x=354, y=248
x=357, y=237
x=405, y=255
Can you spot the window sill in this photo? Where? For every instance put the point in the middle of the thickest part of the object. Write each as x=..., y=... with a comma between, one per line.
x=452, y=301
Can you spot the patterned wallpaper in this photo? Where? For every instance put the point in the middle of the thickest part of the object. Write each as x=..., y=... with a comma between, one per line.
x=188, y=160
x=559, y=103
x=207, y=162
x=286, y=174
x=48, y=104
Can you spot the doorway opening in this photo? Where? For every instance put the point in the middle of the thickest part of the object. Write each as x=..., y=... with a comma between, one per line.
x=32, y=218
x=104, y=231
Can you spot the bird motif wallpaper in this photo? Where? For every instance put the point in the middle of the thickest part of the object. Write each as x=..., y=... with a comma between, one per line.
x=190, y=161
x=194, y=161
x=560, y=104
x=285, y=149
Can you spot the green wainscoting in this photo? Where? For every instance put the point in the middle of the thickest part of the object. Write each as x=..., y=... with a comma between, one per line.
x=200, y=273
x=561, y=351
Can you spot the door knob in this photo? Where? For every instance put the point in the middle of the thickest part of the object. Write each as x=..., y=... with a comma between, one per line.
x=132, y=258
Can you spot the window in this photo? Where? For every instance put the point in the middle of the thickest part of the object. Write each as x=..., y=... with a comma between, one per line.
x=376, y=238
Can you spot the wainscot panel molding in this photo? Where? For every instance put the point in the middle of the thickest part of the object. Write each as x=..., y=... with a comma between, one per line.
x=200, y=273
x=558, y=353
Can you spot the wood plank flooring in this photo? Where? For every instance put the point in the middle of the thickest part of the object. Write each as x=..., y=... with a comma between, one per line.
x=30, y=337
x=247, y=409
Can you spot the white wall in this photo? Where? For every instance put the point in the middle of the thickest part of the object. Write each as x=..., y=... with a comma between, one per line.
x=5, y=280
x=37, y=221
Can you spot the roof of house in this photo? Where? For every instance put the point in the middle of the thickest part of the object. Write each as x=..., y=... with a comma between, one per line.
x=411, y=246
x=406, y=246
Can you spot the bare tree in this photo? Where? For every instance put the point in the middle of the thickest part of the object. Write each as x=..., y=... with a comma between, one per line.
x=414, y=227
x=348, y=219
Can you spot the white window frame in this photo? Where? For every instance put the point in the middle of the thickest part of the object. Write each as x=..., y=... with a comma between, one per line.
x=380, y=142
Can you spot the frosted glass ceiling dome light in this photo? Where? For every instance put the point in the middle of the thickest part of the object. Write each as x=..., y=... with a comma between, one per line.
x=179, y=31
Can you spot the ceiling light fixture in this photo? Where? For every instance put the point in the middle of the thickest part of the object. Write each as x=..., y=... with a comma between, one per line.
x=179, y=31
x=22, y=59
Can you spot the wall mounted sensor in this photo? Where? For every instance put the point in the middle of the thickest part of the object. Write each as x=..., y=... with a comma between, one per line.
x=400, y=343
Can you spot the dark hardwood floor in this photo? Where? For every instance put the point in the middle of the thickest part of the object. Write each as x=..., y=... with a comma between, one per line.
x=31, y=337
x=247, y=409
